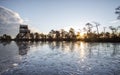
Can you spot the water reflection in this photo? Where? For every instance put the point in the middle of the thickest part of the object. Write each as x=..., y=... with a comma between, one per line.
x=23, y=47
x=82, y=52
x=60, y=58
x=4, y=43
x=115, y=49
x=84, y=49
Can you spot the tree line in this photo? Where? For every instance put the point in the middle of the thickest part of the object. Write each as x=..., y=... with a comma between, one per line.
x=71, y=35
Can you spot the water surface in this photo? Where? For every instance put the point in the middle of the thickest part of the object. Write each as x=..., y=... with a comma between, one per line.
x=59, y=58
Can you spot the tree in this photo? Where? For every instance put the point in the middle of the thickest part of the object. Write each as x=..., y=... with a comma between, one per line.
x=62, y=33
x=114, y=30
x=78, y=35
x=43, y=36
x=118, y=12
x=57, y=34
x=6, y=37
x=96, y=25
x=31, y=36
x=51, y=34
x=37, y=36
x=88, y=29
x=107, y=35
x=72, y=33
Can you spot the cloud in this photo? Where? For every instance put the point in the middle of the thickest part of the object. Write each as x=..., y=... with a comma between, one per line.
x=115, y=21
x=9, y=21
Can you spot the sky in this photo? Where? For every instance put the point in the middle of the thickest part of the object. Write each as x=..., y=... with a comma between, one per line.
x=45, y=15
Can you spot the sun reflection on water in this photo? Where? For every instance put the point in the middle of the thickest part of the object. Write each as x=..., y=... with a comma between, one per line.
x=82, y=50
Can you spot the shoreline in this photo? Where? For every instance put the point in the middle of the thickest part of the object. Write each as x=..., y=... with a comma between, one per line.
x=61, y=40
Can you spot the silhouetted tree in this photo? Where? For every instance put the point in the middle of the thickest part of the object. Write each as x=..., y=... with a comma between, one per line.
x=57, y=34
x=51, y=34
x=78, y=35
x=37, y=36
x=6, y=37
x=88, y=29
x=96, y=25
x=62, y=33
x=72, y=33
x=107, y=35
x=114, y=30
x=31, y=36
x=118, y=12
x=43, y=36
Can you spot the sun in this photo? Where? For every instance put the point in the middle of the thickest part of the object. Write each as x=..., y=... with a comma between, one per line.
x=82, y=35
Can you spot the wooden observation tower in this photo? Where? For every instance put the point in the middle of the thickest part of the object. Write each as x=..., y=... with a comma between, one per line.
x=24, y=32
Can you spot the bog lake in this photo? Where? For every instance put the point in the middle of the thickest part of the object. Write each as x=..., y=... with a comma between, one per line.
x=59, y=58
